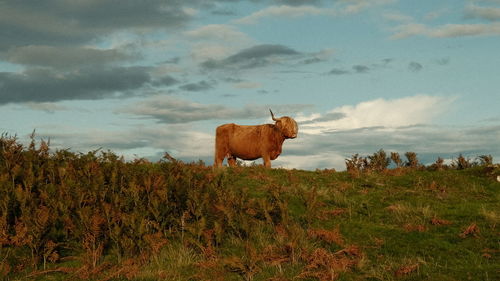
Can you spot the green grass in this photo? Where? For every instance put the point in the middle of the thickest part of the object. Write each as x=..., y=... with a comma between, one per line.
x=115, y=220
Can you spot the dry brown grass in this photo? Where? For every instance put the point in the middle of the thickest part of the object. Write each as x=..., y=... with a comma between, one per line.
x=406, y=270
x=471, y=230
x=329, y=236
x=440, y=222
x=325, y=265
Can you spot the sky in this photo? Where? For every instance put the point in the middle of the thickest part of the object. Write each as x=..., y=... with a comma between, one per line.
x=142, y=78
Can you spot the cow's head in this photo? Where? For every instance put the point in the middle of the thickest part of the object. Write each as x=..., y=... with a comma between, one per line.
x=287, y=125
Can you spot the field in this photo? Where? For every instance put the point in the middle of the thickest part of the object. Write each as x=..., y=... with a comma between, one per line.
x=94, y=216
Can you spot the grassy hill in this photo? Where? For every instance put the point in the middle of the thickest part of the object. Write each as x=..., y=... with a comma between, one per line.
x=95, y=216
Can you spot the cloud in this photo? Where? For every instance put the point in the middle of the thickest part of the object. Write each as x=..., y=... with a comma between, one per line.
x=53, y=22
x=330, y=116
x=321, y=56
x=338, y=71
x=447, y=31
x=198, y=86
x=409, y=30
x=414, y=66
x=48, y=107
x=169, y=110
x=223, y=12
x=397, y=17
x=357, y=6
x=215, y=41
x=285, y=12
x=165, y=80
x=477, y=12
x=458, y=30
x=442, y=61
x=256, y=56
x=247, y=85
x=216, y=32
x=64, y=57
x=380, y=113
x=42, y=85
x=298, y=9
x=298, y=2
x=361, y=68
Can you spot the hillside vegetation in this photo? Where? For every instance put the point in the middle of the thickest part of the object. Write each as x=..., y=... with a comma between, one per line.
x=94, y=216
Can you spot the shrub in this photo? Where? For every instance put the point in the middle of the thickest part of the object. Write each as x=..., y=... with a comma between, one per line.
x=396, y=159
x=485, y=160
x=438, y=165
x=355, y=165
x=412, y=160
x=462, y=163
x=378, y=161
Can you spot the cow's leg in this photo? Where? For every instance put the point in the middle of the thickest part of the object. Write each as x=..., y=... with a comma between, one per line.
x=218, y=161
x=267, y=161
x=231, y=160
x=220, y=146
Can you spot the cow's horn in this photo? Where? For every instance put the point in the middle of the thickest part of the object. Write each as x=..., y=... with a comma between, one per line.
x=272, y=115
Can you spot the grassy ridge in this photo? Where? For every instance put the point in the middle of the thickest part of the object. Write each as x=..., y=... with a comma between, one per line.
x=95, y=216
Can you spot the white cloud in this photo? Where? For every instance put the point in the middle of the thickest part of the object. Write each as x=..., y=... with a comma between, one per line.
x=343, y=7
x=357, y=6
x=489, y=13
x=408, y=30
x=459, y=30
x=217, y=32
x=380, y=112
x=284, y=11
x=247, y=85
x=205, y=51
x=446, y=31
x=48, y=107
x=309, y=162
x=215, y=41
x=397, y=17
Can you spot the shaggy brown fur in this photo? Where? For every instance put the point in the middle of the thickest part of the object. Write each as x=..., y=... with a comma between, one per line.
x=252, y=142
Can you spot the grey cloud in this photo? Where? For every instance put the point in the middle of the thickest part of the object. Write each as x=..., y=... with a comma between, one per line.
x=299, y=2
x=443, y=61
x=223, y=12
x=198, y=86
x=361, y=68
x=481, y=12
x=47, y=107
x=165, y=81
x=233, y=80
x=42, y=85
x=415, y=66
x=172, y=111
x=325, y=118
x=387, y=61
x=338, y=71
x=256, y=56
x=175, y=60
x=54, y=22
x=63, y=57
x=312, y=60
